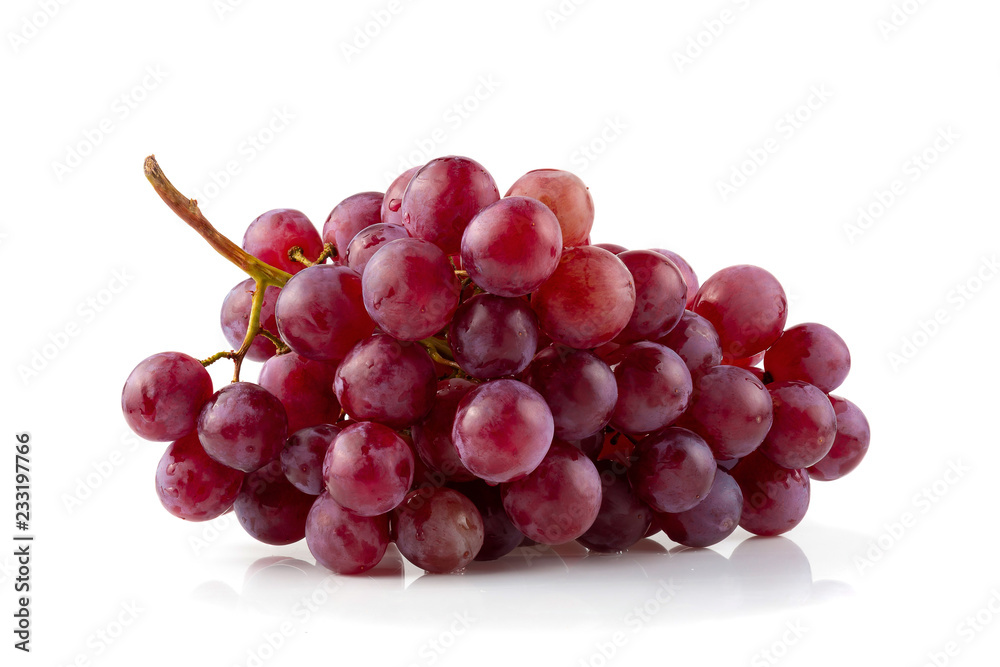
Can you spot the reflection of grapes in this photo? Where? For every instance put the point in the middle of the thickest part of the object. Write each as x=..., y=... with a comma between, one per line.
x=469, y=375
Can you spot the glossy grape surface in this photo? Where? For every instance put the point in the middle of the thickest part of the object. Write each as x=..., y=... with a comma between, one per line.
x=493, y=336
x=235, y=318
x=342, y=541
x=746, y=305
x=566, y=195
x=193, y=486
x=243, y=426
x=274, y=233
x=164, y=394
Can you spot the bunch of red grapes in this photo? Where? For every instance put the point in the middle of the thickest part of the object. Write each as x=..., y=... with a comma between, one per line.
x=469, y=374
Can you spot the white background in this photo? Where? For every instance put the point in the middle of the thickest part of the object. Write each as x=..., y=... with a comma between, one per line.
x=890, y=562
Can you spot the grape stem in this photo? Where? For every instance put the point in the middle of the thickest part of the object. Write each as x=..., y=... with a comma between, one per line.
x=440, y=352
x=295, y=253
x=263, y=274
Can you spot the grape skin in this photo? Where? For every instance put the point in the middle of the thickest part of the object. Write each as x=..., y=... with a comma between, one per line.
x=368, y=241
x=493, y=336
x=804, y=426
x=243, y=426
x=439, y=530
x=303, y=455
x=566, y=195
x=731, y=409
x=272, y=234
x=674, y=470
x=690, y=278
x=393, y=200
x=344, y=542
x=163, y=395
x=235, y=319
x=654, y=388
x=368, y=469
x=710, y=521
x=696, y=341
x=432, y=436
x=270, y=509
x=304, y=387
x=775, y=499
x=349, y=217
x=850, y=445
x=747, y=307
x=191, y=485
x=810, y=353
x=660, y=296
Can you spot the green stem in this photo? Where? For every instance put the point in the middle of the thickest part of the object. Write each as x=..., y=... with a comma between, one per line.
x=215, y=357
x=188, y=211
x=295, y=253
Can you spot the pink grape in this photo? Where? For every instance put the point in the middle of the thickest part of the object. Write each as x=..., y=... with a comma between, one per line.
x=493, y=336
x=566, y=195
x=731, y=409
x=368, y=241
x=810, y=353
x=674, y=470
x=349, y=217
x=710, y=521
x=591, y=317
x=439, y=530
x=804, y=425
x=303, y=455
x=243, y=426
x=270, y=509
x=235, y=318
x=695, y=340
x=393, y=200
x=623, y=518
x=747, y=307
x=660, y=296
x=432, y=436
x=193, y=486
x=850, y=445
x=274, y=233
x=690, y=278
x=775, y=499
x=304, y=387
x=368, y=469
x=164, y=394
x=654, y=388
x=342, y=541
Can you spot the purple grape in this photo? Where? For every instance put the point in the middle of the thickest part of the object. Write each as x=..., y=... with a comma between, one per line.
x=368, y=469
x=623, y=519
x=342, y=541
x=439, y=530
x=710, y=521
x=270, y=509
x=243, y=426
x=809, y=353
x=674, y=470
x=302, y=457
x=382, y=379
x=559, y=500
x=775, y=499
x=393, y=200
x=660, y=295
x=654, y=388
x=443, y=197
x=191, y=485
x=690, y=278
x=410, y=289
x=164, y=394
x=850, y=445
x=579, y=388
x=500, y=536
x=587, y=301
x=804, y=426
x=321, y=314
x=432, y=436
x=695, y=340
x=351, y=216
x=502, y=430
x=368, y=241
x=493, y=336
x=512, y=246
x=235, y=319
x=274, y=233
x=304, y=387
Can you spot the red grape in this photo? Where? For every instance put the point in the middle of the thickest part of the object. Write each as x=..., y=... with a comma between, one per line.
x=566, y=195
x=810, y=353
x=410, y=289
x=747, y=307
x=579, y=389
x=654, y=388
x=393, y=200
x=623, y=519
x=502, y=430
x=660, y=295
x=163, y=395
x=591, y=316
x=850, y=445
x=270, y=509
x=443, y=197
x=804, y=425
x=512, y=246
x=439, y=530
x=303, y=455
x=342, y=541
x=695, y=340
x=674, y=470
x=193, y=486
x=710, y=521
x=274, y=233
x=304, y=387
x=774, y=498
x=368, y=241
x=493, y=336
x=690, y=278
x=349, y=217
x=382, y=379
x=243, y=426
x=368, y=469
x=321, y=314
x=559, y=500
x=500, y=536
x=731, y=409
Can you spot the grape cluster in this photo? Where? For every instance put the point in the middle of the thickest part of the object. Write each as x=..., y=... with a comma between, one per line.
x=461, y=373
